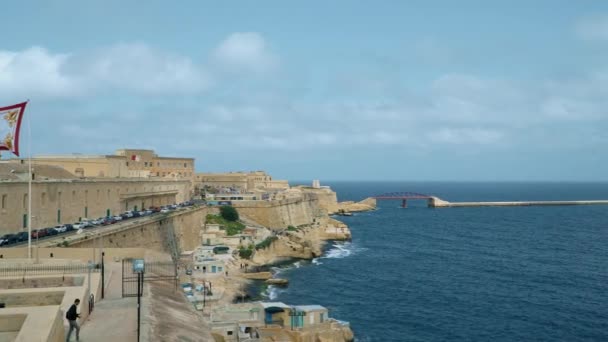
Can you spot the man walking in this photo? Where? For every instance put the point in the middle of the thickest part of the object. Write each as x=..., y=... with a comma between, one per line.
x=72, y=316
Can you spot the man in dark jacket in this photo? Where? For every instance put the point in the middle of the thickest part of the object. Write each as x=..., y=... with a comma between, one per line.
x=72, y=316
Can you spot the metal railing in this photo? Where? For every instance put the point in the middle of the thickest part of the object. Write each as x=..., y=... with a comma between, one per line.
x=22, y=270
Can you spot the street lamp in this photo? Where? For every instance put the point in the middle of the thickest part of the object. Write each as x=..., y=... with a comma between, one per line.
x=139, y=268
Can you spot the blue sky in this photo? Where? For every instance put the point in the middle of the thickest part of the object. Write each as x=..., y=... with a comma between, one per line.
x=353, y=90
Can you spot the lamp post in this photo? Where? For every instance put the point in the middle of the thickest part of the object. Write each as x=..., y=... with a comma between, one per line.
x=139, y=268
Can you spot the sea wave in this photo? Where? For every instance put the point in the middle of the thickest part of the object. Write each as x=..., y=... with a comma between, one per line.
x=340, y=250
x=272, y=292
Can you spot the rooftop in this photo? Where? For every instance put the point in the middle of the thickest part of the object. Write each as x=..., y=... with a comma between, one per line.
x=18, y=171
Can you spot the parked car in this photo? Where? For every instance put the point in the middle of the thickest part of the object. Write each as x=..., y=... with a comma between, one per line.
x=8, y=239
x=22, y=236
x=108, y=220
x=98, y=221
x=165, y=210
x=60, y=228
x=69, y=227
x=117, y=218
x=78, y=225
x=50, y=231
x=38, y=233
x=155, y=209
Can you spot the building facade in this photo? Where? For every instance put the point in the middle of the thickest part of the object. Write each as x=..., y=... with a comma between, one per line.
x=60, y=201
x=125, y=163
x=240, y=182
x=146, y=163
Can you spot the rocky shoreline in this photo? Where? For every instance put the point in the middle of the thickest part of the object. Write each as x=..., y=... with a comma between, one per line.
x=305, y=242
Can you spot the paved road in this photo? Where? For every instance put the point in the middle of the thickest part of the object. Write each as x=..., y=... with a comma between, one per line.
x=52, y=241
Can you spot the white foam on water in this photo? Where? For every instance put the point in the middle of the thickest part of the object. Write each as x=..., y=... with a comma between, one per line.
x=297, y=264
x=341, y=250
x=271, y=292
x=316, y=261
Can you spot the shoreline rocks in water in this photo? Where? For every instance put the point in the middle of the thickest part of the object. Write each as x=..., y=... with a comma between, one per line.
x=257, y=275
x=277, y=281
x=348, y=207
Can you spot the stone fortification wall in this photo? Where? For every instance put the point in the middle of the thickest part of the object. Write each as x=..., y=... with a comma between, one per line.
x=69, y=200
x=280, y=213
x=175, y=232
x=327, y=198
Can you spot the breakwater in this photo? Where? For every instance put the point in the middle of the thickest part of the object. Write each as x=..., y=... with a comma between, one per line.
x=436, y=202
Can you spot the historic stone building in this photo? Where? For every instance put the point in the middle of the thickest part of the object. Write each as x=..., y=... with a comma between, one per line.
x=58, y=197
x=238, y=181
x=125, y=163
x=146, y=163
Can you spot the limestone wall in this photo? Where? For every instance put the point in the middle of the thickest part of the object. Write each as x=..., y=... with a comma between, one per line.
x=66, y=201
x=278, y=214
x=157, y=234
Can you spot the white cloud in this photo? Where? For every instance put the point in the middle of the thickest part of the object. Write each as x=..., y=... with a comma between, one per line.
x=34, y=72
x=140, y=68
x=245, y=51
x=133, y=67
x=593, y=28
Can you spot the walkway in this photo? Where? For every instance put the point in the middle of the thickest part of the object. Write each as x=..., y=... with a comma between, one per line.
x=114, y=318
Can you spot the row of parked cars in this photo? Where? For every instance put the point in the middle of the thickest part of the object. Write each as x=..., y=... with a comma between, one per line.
x=9, y=239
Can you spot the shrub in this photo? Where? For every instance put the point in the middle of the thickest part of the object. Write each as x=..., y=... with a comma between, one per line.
x=229, y=213
x=245, y=253
x=292, y=228
x=266, y=243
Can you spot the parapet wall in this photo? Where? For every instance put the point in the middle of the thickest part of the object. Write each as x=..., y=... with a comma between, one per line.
x=177, y=231
x=278, y=214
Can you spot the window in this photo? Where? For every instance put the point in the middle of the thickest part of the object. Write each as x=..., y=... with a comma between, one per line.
x=43, y=199
x=127, y=163
x=229, y=332
x=146, y=164
x=184, y=164
x=24, y=201
x=4, y=201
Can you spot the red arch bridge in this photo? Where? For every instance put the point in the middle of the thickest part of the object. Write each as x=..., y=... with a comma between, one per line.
x=404, y=196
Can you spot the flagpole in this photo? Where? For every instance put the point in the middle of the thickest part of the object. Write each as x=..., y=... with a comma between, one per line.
x=29, y=188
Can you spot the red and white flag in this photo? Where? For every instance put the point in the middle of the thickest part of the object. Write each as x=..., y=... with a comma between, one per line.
x=10, y=126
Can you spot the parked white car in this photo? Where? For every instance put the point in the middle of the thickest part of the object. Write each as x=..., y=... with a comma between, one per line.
x=118, y=218
x=129, y=214
x=98, y=221
x=78, y=225
x=165, y=210
x=60, y=229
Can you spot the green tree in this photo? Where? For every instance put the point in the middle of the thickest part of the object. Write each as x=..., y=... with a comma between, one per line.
x=229, y=213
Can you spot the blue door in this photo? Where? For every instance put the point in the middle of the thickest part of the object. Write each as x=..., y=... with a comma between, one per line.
x=213, y=268
x=268, y=317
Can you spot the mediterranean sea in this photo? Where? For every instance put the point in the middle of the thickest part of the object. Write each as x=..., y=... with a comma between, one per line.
x=464, y=274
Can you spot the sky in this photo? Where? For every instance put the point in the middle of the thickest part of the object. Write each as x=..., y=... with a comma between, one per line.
x=332, y=90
